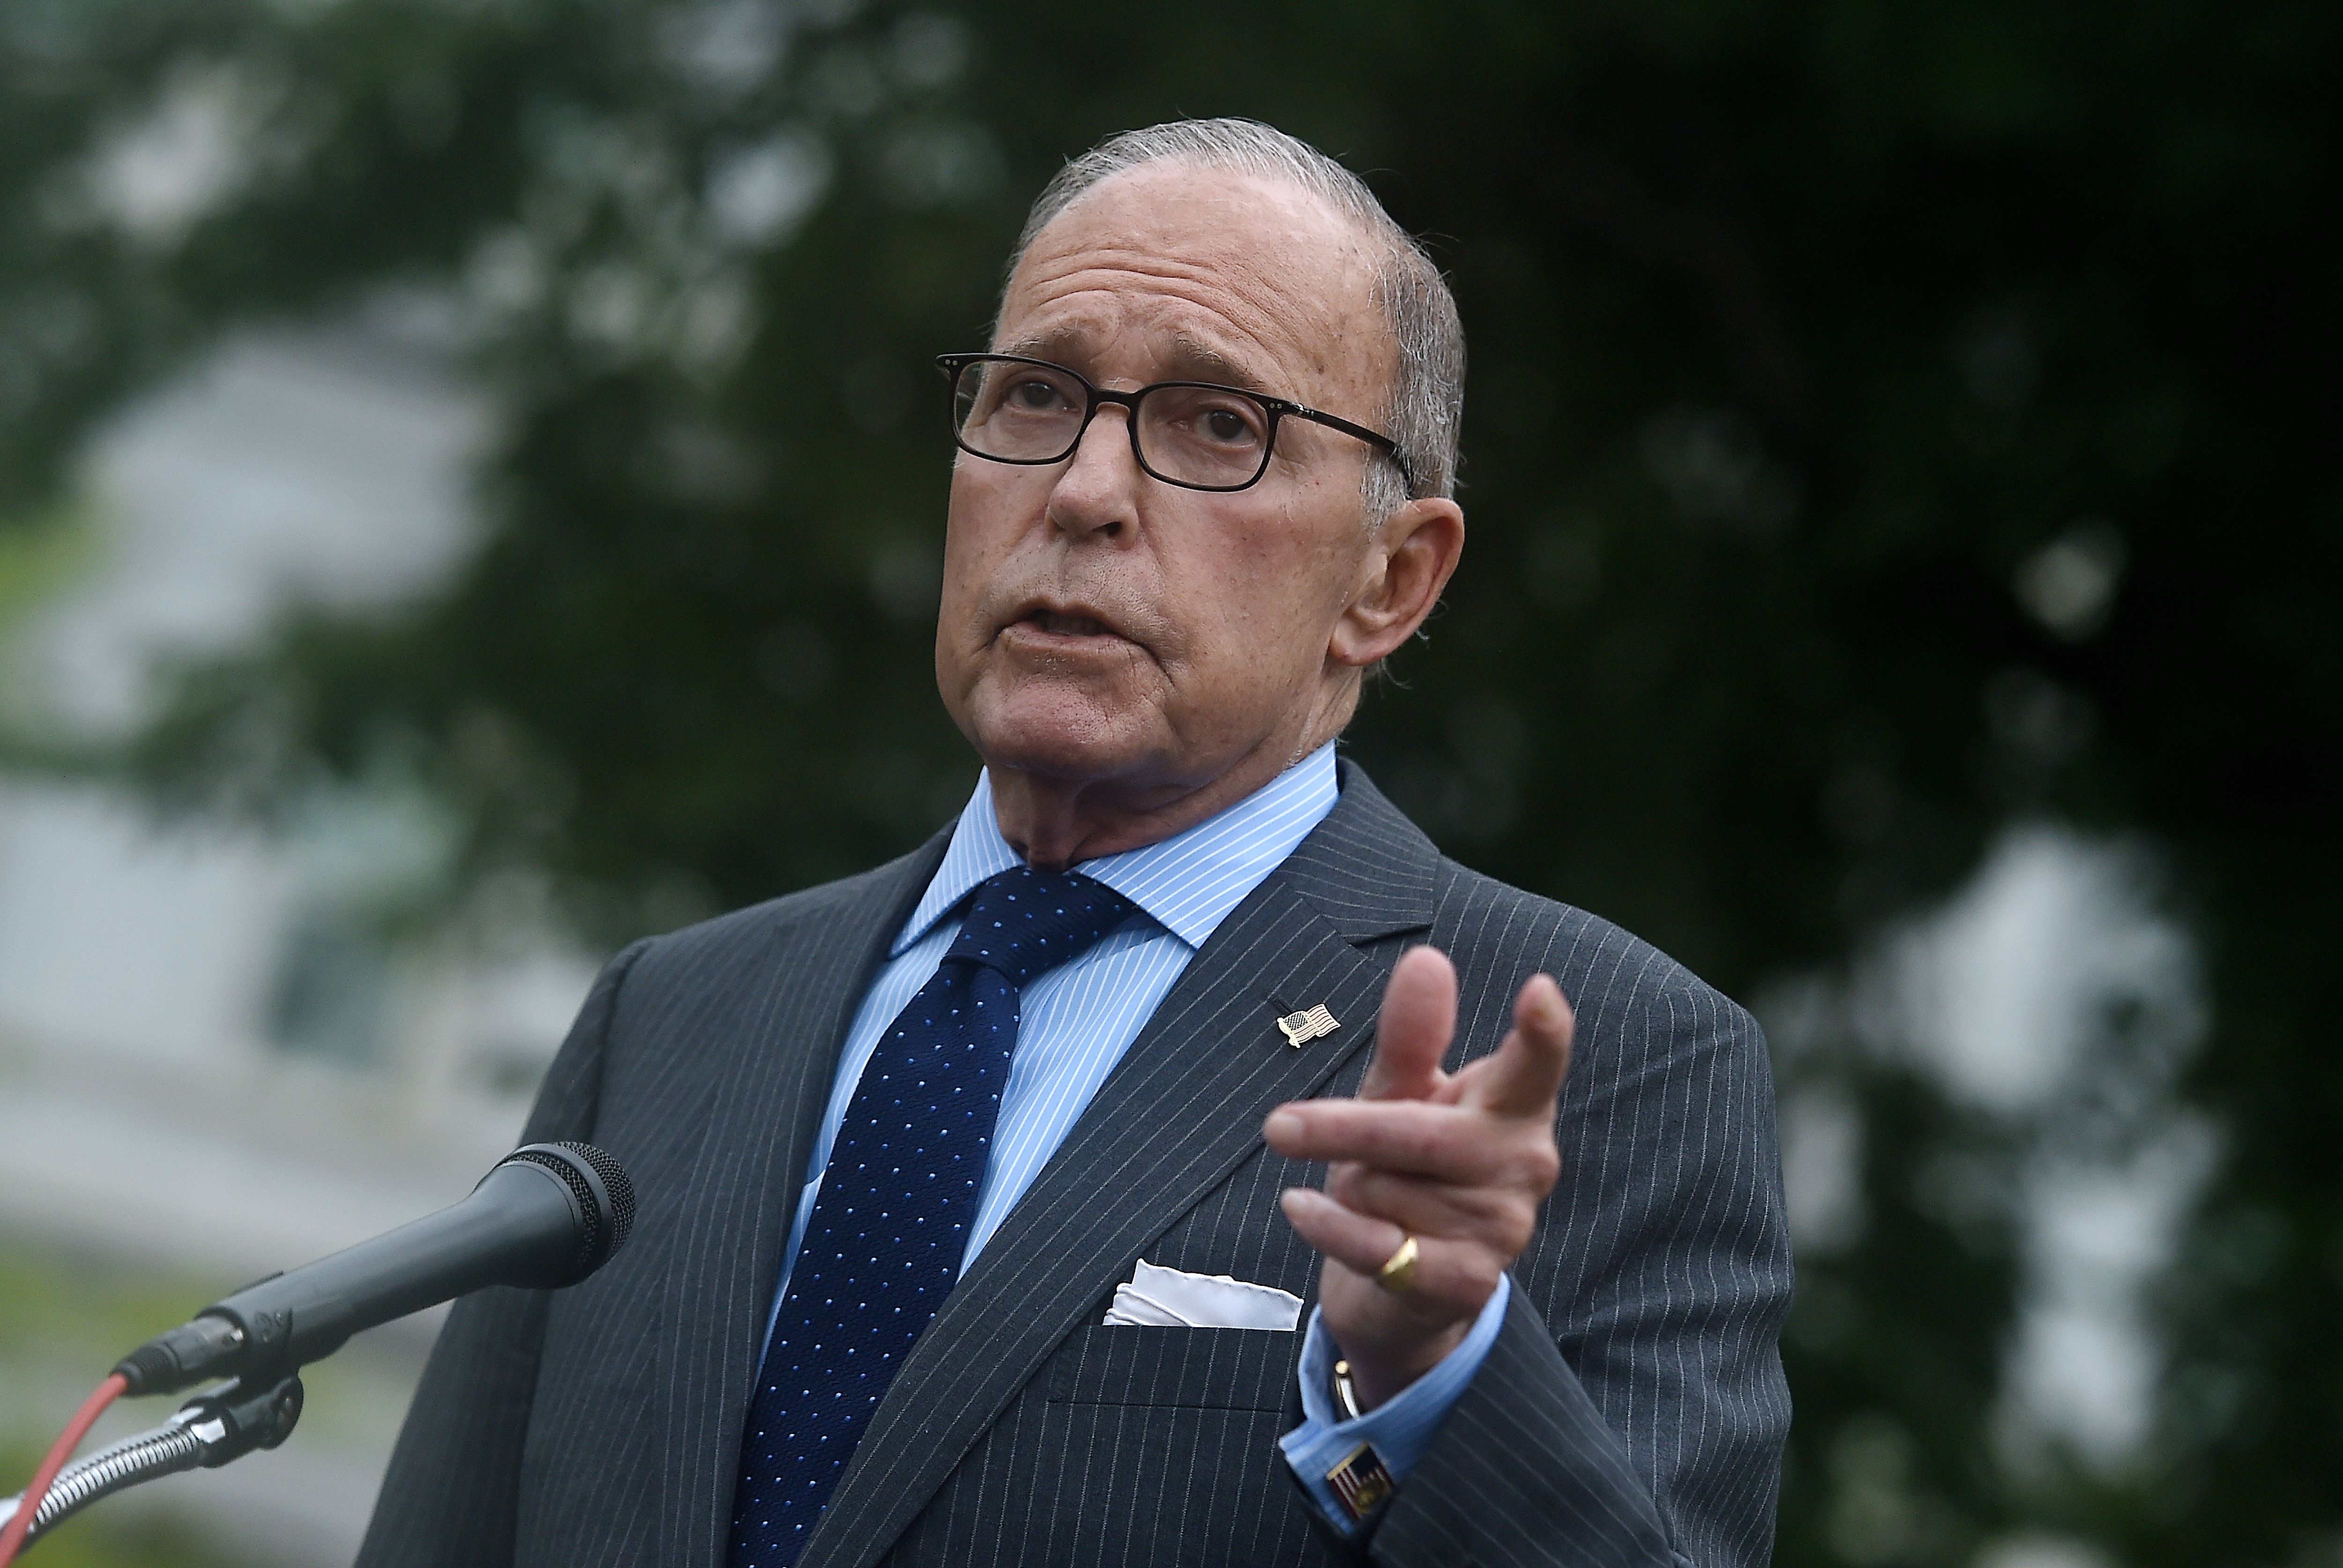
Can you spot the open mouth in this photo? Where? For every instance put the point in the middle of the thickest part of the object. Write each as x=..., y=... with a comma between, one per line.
x=1057, y=625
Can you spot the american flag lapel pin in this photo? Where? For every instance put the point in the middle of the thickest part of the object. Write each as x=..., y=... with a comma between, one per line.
x=1311, y=1023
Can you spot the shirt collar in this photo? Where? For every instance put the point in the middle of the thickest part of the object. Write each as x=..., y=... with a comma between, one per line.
x=1187, y=883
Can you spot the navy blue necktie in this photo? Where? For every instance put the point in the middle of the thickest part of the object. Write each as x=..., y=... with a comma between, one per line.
x=883, y=1245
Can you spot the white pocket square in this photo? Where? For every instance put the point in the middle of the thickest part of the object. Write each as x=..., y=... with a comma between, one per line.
x=1157, y=1297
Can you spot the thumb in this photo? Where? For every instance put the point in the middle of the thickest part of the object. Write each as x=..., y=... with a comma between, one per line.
x=1412, y=1031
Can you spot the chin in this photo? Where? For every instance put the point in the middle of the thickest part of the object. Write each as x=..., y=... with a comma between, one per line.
x=1063, y=735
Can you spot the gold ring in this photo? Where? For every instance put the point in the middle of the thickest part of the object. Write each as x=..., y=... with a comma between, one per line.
x=1398, y=1273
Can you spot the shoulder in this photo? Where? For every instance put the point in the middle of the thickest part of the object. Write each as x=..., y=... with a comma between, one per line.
x=1631, y=1000
x=1375, y=872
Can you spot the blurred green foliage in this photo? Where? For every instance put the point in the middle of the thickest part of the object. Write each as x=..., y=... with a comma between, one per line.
x=1885, y=423
x=37, y=556
x=56, y=1307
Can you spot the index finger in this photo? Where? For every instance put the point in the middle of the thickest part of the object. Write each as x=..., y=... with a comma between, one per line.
x=1525, y=1073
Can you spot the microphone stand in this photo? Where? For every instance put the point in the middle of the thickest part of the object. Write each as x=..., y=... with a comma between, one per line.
x=208, y=1432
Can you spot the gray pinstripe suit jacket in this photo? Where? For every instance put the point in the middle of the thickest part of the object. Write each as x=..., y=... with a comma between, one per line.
x=1631, y=1411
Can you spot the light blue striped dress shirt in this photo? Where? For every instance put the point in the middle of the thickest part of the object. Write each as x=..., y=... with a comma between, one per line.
x=1077, y=1020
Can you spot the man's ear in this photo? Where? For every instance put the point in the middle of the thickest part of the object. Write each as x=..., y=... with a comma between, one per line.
x=1409, y=563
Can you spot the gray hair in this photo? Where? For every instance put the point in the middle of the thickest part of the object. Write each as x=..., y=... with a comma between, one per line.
x=1425, y=409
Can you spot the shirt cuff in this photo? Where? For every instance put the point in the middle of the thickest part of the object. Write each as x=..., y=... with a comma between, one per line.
x=1399, y=1430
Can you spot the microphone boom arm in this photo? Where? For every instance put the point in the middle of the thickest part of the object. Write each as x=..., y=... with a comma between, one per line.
x=208, y=1432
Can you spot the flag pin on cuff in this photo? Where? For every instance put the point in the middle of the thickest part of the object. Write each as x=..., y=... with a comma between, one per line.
x=1361, y=1482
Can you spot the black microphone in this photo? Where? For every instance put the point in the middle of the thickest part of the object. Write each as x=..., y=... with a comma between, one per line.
x=547, y=1215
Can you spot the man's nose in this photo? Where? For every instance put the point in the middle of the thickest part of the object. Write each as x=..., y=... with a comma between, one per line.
x=1098, y=492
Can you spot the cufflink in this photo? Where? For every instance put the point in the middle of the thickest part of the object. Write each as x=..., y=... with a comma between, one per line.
x=1360, y=1482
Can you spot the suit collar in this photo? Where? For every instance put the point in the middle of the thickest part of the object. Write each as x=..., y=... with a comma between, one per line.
x=1367, y=869
x=1187, y=883
x=1167, y=1126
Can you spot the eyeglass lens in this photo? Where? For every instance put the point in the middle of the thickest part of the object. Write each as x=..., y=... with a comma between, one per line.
x=1033, y=414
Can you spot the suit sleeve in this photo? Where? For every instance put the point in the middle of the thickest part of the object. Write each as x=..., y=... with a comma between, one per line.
x=451, y=1496
x=1633, y=1409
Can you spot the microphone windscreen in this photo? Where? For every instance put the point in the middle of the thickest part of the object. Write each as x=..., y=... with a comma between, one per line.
x=614, y=1180
x=606, y=1198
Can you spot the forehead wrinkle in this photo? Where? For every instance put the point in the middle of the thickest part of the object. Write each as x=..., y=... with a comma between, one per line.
x=1212, y=288
x=1260, y=347
x=1188, y=357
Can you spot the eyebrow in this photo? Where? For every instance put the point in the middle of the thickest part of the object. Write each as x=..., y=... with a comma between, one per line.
x=1191, y=358
x=1205, y=363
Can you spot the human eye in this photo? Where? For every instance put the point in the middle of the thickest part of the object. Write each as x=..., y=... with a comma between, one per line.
x=1020, y=395
x=1213, y=436
x=1214, y=418
x=1227, y=425
x=1029, y=392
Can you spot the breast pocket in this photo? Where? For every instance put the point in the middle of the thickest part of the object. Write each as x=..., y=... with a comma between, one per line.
x=1174, y=1369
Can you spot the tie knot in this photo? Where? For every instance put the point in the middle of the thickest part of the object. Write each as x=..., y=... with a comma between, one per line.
x=1024, y=922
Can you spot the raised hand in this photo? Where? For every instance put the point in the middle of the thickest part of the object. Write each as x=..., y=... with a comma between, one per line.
x=1461, y=1163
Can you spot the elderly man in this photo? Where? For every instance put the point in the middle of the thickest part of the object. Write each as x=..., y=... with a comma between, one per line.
x=1173, y=1159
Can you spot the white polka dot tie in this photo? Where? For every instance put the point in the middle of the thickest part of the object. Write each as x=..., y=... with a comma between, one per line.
x=882, y=1247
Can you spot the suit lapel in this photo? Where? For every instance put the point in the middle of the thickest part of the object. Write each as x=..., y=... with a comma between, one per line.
x=763, y=1114
x=1180, y=1111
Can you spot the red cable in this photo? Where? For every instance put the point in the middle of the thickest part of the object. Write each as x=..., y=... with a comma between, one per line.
x=12, y=1539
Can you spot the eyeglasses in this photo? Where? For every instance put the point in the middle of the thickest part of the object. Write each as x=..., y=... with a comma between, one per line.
x=1007, y=409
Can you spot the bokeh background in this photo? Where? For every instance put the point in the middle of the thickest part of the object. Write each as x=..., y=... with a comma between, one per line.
x=470, y=493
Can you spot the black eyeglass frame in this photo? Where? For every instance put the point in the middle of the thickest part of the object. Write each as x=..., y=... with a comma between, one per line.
x=1276, y=408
